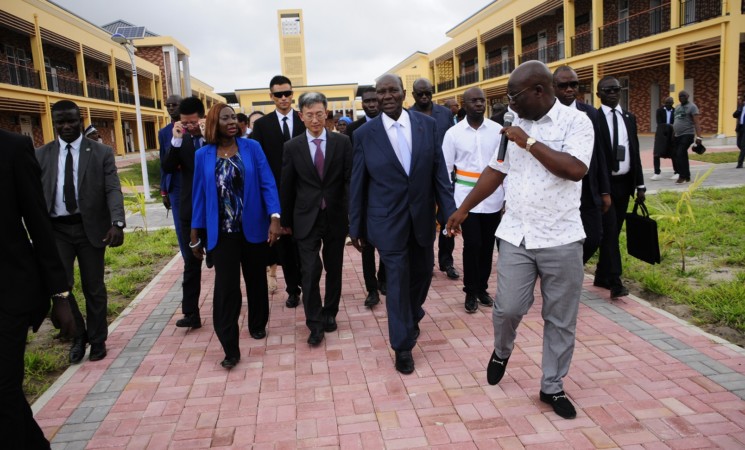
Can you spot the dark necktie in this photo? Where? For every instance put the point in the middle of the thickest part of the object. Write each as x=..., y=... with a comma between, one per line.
x=197, y=140
x=615, y=140
x=318, y=161
x=69, y=189
x=285, y=129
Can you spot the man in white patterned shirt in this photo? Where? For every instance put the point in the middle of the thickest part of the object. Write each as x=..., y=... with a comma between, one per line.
x=541, y=233
x=468, y=147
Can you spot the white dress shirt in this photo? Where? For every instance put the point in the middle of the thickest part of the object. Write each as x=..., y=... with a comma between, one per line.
x=390, y=129
x=623, y=137
x=289, y=120
x=468, y=152
x=176, y=142
x=312, y=145
x=543, y=209
x=59, y=192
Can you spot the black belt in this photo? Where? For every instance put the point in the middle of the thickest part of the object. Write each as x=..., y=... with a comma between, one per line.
x=68, y=220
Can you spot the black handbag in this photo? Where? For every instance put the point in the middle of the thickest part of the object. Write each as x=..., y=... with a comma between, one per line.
x=642, y=241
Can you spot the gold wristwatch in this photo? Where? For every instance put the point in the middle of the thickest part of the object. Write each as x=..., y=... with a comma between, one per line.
x=529, y=143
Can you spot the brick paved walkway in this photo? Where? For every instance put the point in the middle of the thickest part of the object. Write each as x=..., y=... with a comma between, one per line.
x=640, y=379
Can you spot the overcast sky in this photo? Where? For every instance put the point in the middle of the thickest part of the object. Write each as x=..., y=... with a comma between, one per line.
x=234, y=44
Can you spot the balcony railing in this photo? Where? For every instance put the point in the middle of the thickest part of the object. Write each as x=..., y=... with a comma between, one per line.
x=64, y=84
x=19, y=75
x=503, y=67
x=445, y=85
x=100, y=91
x=548, y=54
x=637, y=26
x=582, y=43
x=468, y=78
x=693, y=11
x=126, y=97
x=147, y=102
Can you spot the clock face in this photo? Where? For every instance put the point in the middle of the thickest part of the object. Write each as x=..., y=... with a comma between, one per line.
x=290, y=26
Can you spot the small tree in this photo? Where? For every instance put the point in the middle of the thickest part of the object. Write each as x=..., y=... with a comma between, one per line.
x=135, y=203
x=681, y=218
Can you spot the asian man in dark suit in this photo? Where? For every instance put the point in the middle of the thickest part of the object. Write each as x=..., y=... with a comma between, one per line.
x=398, y=176
x=595, y=199
x=32, y=273
x=272, y=131
x=315, y=202
x=84, y=199
x=375, y=285
x=618, y=138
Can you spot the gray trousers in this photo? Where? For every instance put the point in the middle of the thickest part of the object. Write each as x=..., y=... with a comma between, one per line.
x=560, y=271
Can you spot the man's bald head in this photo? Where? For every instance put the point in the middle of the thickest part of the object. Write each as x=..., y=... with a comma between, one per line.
x=531, y=91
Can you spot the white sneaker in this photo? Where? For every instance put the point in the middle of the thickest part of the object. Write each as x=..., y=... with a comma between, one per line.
x=656, y=177
x=674, y=177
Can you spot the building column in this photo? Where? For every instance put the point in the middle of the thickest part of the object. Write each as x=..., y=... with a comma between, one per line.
x=113, y=82
x=187, y=75
x=569, y=28
x=729, y=57
x=677, y=72
x=597, y=22
x=37, y=54
x=674, y=14
x=595, y=79
x=480, y=56
x=119, y=145
x=517, y=41
x=80, y=60
x=456, y=70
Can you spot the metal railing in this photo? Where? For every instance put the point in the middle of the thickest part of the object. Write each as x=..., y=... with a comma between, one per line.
x=126, y=97
x=503, y=67
x=693, y=11
x=147, y=102
x=100, y=91
x=468, y=78
x=64, y=84
x=582, y=43
x=445, y=85
x=19, y=75
x=637, y=26
x=550, y=53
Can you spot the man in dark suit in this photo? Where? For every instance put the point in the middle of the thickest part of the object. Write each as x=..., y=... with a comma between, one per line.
x=619, y=140
x=84, y=200
x=186, y=138
x=31, y=273
x=740, y=129
x=373, y=284
x=663, y=138
x=398, y=174
x=595, y=199
x=170, y=183
x=422, y=90
x=315, y=202
x=272, y=131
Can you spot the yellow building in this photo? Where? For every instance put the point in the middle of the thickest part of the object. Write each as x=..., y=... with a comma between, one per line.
x=292, y=45
x=50, y=54
x=654, y=48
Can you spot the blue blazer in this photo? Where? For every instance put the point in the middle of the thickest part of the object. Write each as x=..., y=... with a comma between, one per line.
x=386, y=204
x=260, y=198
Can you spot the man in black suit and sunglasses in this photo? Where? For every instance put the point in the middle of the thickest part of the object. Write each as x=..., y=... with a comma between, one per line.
x=272, y=131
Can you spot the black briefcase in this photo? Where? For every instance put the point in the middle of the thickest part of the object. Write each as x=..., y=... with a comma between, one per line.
x=642, y=241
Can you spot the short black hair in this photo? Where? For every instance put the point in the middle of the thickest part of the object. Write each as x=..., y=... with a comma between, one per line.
x=256, y=113
x=279, y=79
x=191, y=105
x=65, y=105
x=241, y=117
x=605, y=78
x=367, y=89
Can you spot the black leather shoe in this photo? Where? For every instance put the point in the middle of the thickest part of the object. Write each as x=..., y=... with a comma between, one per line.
x=190, y=321
x=77, y=351
x=495, y=369
x=601, y=283
x=98, y=352
x=485, y=299
x=372, y=299
x=619, y=291
x=451, y=272
x=561, y=404
x=472, y=303
x=382, y=287
x=292, y=301
x=229, y=363
x=208, y=261
x=259, y=334
x=329, y=324
x=417, y=331
x=404, y=362
x=315, y=338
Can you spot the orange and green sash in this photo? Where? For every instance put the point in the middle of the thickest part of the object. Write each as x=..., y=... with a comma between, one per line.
x=466, y=178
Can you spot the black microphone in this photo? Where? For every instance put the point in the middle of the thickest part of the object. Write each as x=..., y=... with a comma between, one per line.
x=508, y=118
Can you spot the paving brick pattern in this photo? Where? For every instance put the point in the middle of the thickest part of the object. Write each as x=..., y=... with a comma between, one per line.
x=640, y=379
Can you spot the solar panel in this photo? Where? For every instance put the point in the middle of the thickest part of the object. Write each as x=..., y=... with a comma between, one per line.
x=131, y=32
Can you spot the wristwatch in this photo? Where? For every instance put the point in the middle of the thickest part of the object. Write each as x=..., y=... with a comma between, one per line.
x=529, y=143
x=118, y=224
x=275, y=216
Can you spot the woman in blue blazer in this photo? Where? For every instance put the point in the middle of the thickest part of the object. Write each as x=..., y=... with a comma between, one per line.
x=235, y=200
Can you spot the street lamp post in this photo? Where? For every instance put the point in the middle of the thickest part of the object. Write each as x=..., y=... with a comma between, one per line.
x=129, y=46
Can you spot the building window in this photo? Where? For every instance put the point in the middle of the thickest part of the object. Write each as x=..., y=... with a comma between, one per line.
x=623, y=21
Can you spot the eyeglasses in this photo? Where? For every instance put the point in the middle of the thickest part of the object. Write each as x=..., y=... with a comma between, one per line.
x=423, y=93
x=513, y=98
x=569, y=84
x=281, y=94
x=319, y=116
x=611, y=89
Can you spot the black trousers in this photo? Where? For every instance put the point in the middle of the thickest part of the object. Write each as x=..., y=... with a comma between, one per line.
x=478, y=250
x=368, y=269
x=72, y=243
x=681, y=144
x=231, y=255
x=445, y=245
x=741, y=145
x=656, y=162
x=17, y=424
x=192, y=283
x=322, y=249
x=592, y=222
x=609, y=262
x=290, y=261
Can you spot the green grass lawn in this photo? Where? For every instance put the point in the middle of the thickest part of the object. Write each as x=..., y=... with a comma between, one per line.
x=715, y=158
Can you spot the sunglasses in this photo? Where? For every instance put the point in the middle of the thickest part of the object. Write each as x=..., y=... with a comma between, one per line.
x=569, y=84
x=611, y=89
x=513, y=98
x=423, y=93
x=281, y=94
